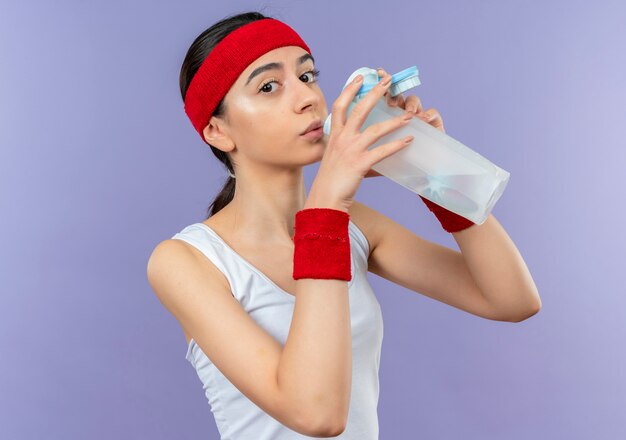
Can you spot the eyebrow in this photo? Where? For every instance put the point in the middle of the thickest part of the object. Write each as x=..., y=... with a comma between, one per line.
x=272, y=66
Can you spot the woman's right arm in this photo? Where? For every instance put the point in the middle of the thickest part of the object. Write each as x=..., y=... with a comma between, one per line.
x=299, y=384
x=316, y=362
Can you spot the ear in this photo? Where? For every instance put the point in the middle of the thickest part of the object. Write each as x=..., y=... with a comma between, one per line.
x=216, y=134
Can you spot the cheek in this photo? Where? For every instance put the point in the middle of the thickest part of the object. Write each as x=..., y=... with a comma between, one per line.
x=273, y=128
x=268, y=137
x=260, y=119
x=254, y=125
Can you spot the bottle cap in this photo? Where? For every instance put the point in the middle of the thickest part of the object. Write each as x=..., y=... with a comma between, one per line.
x=400, y=82
x=404, y=80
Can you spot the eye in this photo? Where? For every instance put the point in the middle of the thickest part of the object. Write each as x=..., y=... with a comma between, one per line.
x=264, y=90
x=315, y=74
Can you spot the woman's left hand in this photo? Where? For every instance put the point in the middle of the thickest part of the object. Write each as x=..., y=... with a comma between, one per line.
x=411, y=103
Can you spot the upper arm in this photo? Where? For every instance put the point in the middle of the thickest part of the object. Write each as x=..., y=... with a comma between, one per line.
x=189, y=287
x=436, y=271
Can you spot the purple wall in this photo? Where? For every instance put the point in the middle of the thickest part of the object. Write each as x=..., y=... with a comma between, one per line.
x=98, y=163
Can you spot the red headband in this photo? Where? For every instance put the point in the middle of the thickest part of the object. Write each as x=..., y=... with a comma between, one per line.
x=228, y=59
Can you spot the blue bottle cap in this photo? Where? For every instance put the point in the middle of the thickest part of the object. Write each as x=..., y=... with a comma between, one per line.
x=400, y=82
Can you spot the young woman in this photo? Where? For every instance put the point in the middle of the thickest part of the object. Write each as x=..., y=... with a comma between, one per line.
x=271, y=290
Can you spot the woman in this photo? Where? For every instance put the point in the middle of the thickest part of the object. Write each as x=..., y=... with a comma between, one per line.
x=271, y=291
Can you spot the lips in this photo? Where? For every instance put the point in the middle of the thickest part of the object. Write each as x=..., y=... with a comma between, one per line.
x=313, y=126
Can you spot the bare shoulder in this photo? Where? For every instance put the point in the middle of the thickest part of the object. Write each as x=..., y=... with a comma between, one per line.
x=180, y=254
x=367, y=220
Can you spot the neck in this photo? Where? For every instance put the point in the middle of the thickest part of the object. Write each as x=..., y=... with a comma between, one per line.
x=264, y=207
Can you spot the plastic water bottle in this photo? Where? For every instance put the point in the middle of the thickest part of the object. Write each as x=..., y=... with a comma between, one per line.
x=435, y=165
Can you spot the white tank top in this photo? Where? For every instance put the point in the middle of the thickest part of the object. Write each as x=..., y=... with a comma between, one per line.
x=236, y=416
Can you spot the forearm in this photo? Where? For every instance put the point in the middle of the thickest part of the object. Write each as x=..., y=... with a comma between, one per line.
x=316, y=365
x=498, y=269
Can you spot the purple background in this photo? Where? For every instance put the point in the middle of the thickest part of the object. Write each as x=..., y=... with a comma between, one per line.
x=98, y=163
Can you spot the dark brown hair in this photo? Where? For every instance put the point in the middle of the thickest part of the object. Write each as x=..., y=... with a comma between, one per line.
x=197, y=53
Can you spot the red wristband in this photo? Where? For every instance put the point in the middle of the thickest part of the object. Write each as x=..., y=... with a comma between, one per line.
x=322, y=244
x=450, y=221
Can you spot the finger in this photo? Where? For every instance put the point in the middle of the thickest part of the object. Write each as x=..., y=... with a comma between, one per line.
x=338, y=120
x=395, y=101
x=392, y=101
x=432, y=116
x=383, y=151
x=375, y=131
x=361, y=110
x=413, y=104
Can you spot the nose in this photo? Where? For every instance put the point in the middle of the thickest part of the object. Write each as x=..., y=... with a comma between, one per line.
x=307, y=95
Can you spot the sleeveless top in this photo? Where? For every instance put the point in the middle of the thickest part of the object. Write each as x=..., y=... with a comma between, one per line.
x=236, y=416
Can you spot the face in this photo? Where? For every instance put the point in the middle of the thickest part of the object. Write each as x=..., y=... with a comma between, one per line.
x=269, y=109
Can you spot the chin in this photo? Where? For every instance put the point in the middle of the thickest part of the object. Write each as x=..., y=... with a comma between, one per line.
x=316, y=151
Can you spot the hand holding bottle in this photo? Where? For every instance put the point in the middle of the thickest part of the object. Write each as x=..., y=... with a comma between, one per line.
x=347, y=159
x=445, y=172
x=411, y=104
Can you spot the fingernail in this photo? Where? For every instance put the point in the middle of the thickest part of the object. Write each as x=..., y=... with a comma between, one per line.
x=408, y=116
x=358, y=78
x=408, y=139
x=386, y=82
